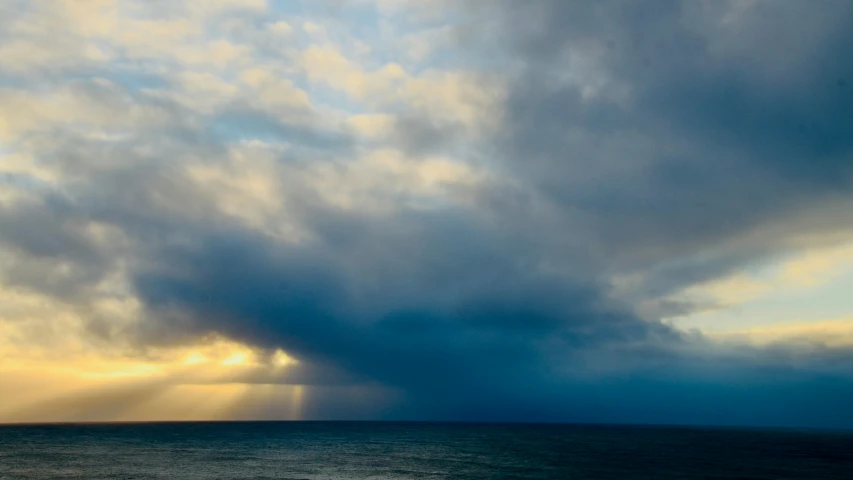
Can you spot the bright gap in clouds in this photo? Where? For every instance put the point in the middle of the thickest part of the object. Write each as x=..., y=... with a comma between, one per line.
x=218, y=380
x=802, y=298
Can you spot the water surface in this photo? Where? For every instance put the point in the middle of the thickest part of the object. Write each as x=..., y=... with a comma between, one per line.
x=321, y=450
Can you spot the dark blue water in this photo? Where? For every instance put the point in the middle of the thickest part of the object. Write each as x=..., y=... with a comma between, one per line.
x=417, y=451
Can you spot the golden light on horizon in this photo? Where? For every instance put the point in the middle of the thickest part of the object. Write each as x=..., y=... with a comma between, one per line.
x=824, y=333
x=214, y=380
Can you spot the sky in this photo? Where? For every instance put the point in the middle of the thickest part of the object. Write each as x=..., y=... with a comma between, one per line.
x=478, y=210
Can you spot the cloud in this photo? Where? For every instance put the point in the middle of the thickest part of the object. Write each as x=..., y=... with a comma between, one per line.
x=665, y=138
x=490, y=229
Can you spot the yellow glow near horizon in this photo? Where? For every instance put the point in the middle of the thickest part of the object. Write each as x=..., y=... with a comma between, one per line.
x=803, y=298
x=830, y=333
x=208, y=381
x=282, y=359
x=236, y=359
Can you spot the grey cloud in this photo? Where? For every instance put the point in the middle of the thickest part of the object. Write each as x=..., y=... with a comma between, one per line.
x=702, y=129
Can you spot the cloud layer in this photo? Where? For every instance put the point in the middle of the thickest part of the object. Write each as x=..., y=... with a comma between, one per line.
x=493, y=210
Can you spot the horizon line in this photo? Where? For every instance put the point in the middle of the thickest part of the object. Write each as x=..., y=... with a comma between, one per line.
x=846, y=430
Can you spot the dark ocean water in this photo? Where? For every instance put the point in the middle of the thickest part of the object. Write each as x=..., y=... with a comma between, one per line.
x=309, y=450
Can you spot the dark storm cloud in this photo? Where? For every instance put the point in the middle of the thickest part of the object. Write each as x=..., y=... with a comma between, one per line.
x=416, y=303
x=708, y=119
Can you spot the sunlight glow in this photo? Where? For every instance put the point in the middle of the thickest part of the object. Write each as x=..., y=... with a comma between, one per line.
x=213, y=380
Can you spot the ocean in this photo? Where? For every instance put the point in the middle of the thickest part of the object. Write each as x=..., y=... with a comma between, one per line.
x=342, y=450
